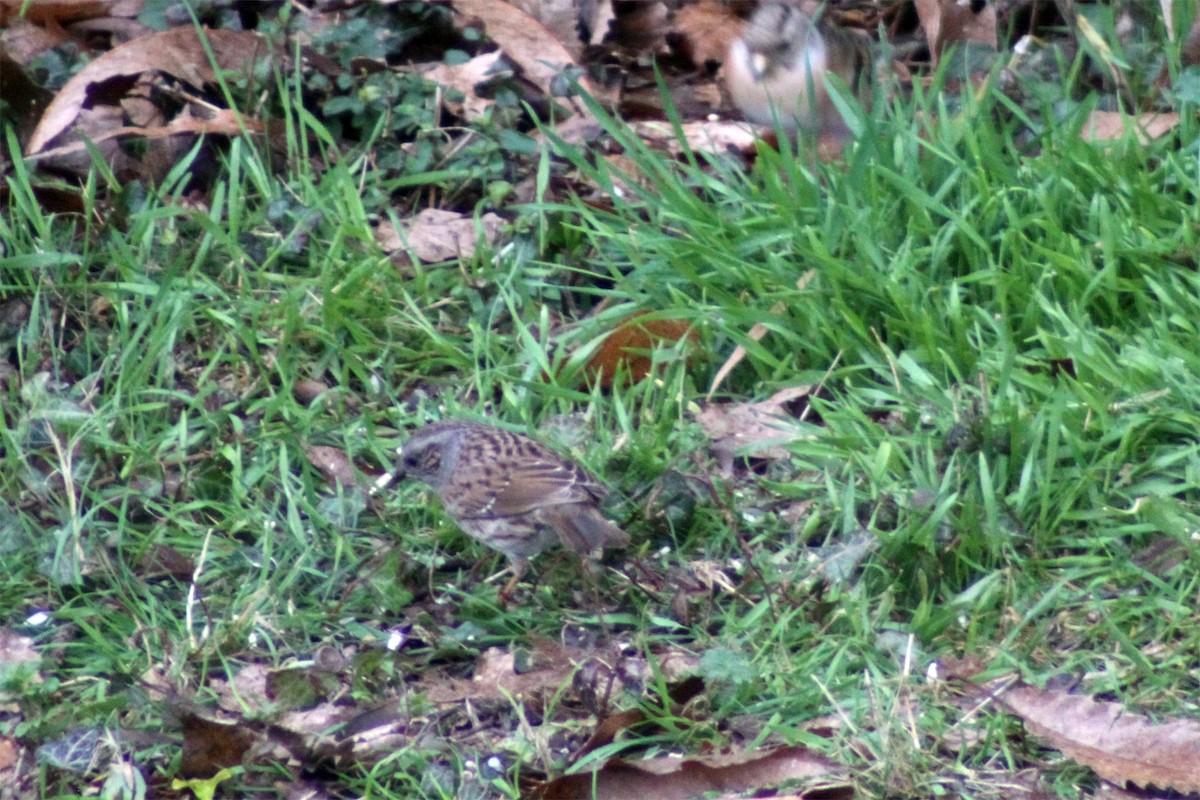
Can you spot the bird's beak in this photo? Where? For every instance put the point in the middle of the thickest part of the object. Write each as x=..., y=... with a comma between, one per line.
x=388, y=478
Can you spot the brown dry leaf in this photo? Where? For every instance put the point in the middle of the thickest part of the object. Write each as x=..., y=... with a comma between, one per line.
x=948, y=22
x=178, y=53
x=704, y=31
x=306, y=390
x=757, y=429
x=535, y=50
x=435, y=235
x=333, y=463
x=731, y=774
x=629, y=347
x=464, y=78
x=61, y=12
x=1107, y=126
x=1118, y=745
x=164, y=560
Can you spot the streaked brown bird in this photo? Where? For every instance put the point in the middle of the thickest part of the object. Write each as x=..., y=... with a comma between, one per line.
x=508, y=491
x=779, y=68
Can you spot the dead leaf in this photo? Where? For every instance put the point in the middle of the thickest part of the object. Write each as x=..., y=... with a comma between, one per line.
x=210, y=746
x=730, y=773
x=496, y=678
x=628, y=348
x=333, y=463
x=569, y=20
x=16, y=649
x=702, y=136
x=306, y=390
x=1117, y=744
x=61, y=12
x=464, y=78
x=756, y=333
x=1107, y=126
x=434, y=235
x=949, y=22
x=178, y=53
x=540, y=56
x=162, y=559
x=758, y=429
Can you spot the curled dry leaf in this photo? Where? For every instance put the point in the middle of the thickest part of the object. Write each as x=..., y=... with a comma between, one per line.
x=179, y=53
x=435, y=235
x=1120, y=746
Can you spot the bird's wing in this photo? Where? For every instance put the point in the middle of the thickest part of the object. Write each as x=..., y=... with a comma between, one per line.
x=535, y=483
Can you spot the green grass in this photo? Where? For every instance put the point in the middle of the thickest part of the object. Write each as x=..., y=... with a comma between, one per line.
x=1003, y=329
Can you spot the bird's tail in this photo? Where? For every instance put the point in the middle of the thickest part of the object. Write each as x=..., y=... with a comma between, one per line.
x=584, y=529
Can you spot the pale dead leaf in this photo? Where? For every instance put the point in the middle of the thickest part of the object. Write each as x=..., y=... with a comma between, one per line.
x=434, y=235
x=178, y=53
x=732, y=773
x=1107, y=126
x=464, y=78
x=701, y=136
x=1117, y=744
x=759, y=429
x=757, y=332
x=541, y=57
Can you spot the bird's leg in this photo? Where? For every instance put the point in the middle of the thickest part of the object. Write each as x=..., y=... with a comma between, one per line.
x=517, y=566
